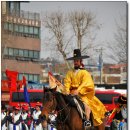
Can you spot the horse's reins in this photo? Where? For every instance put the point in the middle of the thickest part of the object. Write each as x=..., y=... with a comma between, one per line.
x=63, y=122
x=60, y=111
x=63, y=108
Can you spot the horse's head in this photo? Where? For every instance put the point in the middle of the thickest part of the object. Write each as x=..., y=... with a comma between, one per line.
x=49, y=103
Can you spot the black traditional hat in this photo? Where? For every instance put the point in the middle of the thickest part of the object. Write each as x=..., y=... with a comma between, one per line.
x=77, y=55
x=122, y=99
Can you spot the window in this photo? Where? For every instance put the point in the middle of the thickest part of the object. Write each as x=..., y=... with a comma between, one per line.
x=16, y=52
x=6, y=51
x=106, y=98
x=39, y=34
x=30, y=77
x=35, y=30
x=19, y=96
x=10, y=27
x=36, y=54
x=6, y=26
x=31, y=54
x=25, y=53
x=10, y=52
x=36, y=97
x=20, y=52
x=20, y=76
x=26, y=29
x=4, y=75
x=11, y=7
x=37, y=16
x=16, y=28
x=17, y=7
x=31, y=30
x=26, y=75
x=21, y=28
x=35, y=77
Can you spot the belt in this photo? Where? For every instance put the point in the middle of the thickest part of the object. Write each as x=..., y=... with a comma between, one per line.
x=35, y=121
x=73, y=88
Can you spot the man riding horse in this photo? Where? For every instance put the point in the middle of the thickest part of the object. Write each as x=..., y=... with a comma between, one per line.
x=79, y=82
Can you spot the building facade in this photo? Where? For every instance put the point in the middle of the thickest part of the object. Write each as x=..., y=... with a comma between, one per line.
x=20, y=41
x=111, y=74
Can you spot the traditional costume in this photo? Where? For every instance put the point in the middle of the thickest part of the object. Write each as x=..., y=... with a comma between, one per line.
x=24, y=115
x=81, y=80
x=15, y=120
x=3, y=118
x=36, y=123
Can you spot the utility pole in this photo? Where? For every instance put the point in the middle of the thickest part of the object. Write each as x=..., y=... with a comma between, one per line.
x=100, y=62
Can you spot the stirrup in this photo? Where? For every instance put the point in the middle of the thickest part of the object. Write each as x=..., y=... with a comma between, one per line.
x=87, y=123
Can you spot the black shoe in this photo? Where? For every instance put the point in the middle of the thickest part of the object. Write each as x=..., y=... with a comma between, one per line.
x=87, y=123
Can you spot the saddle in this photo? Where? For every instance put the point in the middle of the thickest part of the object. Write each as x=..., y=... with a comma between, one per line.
x=74, y=101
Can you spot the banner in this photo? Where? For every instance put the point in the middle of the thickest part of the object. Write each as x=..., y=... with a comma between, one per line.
x=54, y=83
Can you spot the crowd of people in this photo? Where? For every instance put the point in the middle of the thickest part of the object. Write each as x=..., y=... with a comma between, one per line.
x=23, y=118
x=26, y=118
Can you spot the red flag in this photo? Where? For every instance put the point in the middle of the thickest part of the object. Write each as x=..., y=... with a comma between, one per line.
x=54, y=83
x=112, y=115
x=12, y=76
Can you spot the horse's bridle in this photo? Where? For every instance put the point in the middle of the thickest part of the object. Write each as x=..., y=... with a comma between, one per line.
x=52, y=107
x=59, y=112
x=62, y=122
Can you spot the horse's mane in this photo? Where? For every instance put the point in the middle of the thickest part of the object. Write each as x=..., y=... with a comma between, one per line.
x=62, y=99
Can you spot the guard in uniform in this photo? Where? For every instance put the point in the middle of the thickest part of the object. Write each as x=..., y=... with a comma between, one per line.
x=36, y=123
x=3, y=117
x=24, y=115
x=15, y=119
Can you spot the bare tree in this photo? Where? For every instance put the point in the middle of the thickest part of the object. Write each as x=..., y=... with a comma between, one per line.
x=56, y=23
x=82, y=23
x=61, y=34
x=118, y=47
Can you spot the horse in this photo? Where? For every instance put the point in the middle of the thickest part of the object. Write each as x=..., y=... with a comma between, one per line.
x=68, y=118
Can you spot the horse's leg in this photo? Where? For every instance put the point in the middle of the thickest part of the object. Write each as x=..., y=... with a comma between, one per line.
x=64, y=127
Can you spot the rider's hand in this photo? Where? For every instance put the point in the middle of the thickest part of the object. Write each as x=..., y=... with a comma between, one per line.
x=75, y=92
x=66, y=93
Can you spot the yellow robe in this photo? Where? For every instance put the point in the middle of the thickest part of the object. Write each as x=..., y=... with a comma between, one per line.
x=82, y=81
